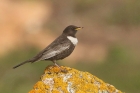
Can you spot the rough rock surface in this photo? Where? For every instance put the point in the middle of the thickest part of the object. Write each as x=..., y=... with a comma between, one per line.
x=71, y=81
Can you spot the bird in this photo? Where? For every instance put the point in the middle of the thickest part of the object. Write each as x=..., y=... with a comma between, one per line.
x=59, y=49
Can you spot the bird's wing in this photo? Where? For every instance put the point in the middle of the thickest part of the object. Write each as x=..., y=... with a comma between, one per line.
x=56, y=47
x=55, y=51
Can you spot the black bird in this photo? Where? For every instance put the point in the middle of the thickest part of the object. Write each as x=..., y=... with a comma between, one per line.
x=60, y=48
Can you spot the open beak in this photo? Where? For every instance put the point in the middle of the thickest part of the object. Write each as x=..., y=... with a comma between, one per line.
x=78, y=28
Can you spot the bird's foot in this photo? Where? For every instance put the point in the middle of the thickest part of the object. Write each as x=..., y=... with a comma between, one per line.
x=62, y=69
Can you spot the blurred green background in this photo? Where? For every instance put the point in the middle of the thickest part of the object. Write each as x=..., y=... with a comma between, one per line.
x=109, y=44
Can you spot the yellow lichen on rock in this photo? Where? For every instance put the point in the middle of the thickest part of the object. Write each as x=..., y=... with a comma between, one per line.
x=71, y=81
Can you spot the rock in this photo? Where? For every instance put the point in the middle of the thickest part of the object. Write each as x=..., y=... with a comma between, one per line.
x=71, y=81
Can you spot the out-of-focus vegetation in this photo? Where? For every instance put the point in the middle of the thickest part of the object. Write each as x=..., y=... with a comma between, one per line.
x=109, y=44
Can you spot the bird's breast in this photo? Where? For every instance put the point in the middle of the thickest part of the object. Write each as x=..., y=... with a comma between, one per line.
x=73, y=40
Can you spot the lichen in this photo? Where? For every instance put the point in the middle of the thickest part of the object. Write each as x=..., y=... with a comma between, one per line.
x=54, y=80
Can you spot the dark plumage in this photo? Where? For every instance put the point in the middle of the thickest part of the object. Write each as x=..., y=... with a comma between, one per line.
x=60, y=48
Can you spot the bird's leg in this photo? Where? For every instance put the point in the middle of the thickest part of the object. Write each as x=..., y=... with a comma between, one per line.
x=63, y=70
x=54, y=61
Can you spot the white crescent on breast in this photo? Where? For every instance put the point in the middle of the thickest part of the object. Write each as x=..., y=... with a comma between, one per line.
x=73, y=40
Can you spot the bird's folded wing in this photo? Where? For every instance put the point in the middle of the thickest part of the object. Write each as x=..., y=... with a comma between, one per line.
x=56, y=47
x=55, y=51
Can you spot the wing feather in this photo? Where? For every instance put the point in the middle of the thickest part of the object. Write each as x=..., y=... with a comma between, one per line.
x=56, y=47
x=55, y=51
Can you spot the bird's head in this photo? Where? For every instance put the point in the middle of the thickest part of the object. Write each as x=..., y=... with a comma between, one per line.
x=71, y=30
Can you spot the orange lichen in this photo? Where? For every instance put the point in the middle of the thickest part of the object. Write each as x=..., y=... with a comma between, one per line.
x=55, y=80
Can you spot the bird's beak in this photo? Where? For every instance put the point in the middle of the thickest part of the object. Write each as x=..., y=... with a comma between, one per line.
x=78, y=28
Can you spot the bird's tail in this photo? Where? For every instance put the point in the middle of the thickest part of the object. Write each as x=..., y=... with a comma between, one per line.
x=21, y=64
